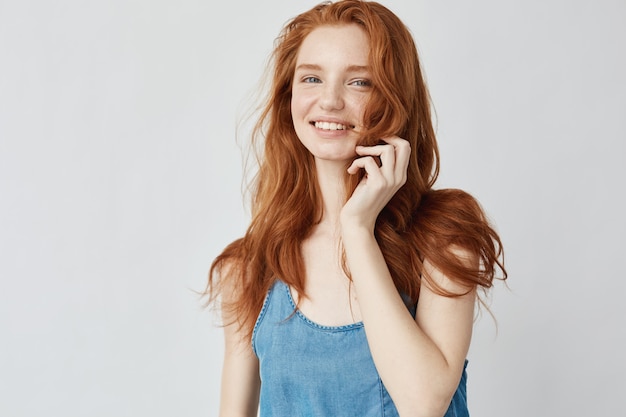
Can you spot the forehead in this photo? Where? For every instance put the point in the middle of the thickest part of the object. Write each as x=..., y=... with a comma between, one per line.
x=345, y=43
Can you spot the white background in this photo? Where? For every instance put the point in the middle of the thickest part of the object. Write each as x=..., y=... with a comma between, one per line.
x=120, y=181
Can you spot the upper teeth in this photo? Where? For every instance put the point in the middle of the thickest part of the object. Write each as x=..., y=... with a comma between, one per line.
x=329, y=126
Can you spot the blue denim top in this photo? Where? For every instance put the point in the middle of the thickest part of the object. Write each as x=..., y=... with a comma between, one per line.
x=312, y=370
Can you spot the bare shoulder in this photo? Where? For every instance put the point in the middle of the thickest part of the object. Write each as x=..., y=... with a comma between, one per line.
x=435, y=280
x=460, y=248
x=447, y=319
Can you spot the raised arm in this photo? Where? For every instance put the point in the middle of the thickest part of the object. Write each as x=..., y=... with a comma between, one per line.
x=419, y=360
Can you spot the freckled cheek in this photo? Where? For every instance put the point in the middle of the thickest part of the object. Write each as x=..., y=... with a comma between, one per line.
x=357, y=107
x=298, y=101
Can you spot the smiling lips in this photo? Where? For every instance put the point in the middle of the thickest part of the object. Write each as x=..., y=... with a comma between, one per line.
x=331, y=126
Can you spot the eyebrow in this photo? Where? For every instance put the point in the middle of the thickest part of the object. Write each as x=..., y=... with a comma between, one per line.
x=349, y=68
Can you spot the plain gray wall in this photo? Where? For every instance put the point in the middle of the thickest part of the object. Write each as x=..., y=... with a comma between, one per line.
x=120, y=181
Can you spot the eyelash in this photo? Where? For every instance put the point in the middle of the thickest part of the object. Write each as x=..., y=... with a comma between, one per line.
x=362, y=83
x=358, y=83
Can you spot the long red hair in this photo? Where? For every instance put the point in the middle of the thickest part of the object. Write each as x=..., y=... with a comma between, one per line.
x=418, y=223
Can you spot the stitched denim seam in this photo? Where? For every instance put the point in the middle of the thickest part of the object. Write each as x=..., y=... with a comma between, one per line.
x=381, y=390
x=259, y=319
x=316, y=326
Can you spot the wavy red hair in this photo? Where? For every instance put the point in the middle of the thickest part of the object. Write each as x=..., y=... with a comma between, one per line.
x=418, y=223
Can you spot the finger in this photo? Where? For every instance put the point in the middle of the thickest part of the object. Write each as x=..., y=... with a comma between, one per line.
x=367, y=163
x=371, y=151
x=386, y=154
x=402, y=154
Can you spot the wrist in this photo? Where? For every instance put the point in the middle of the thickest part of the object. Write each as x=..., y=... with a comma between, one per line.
x=355, y=229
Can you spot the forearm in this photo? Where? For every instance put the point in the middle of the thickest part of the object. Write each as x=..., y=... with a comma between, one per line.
x=415, y=371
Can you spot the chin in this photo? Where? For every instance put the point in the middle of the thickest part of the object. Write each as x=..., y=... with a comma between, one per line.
x=344, y=159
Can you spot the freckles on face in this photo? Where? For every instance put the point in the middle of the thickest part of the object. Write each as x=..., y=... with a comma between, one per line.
x=331, y=86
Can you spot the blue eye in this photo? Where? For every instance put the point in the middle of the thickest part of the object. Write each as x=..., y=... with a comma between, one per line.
x=362, y=83
x=311, y=80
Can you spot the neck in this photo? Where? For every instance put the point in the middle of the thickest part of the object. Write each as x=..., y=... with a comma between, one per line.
x=330, y=177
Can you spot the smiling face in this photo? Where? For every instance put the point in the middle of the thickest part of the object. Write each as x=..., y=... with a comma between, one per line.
x=331, y=86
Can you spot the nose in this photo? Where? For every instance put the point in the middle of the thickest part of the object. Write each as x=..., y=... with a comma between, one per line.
x=332, y=97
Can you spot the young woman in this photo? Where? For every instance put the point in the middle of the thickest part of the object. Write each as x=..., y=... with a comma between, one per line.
x=353, y=291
